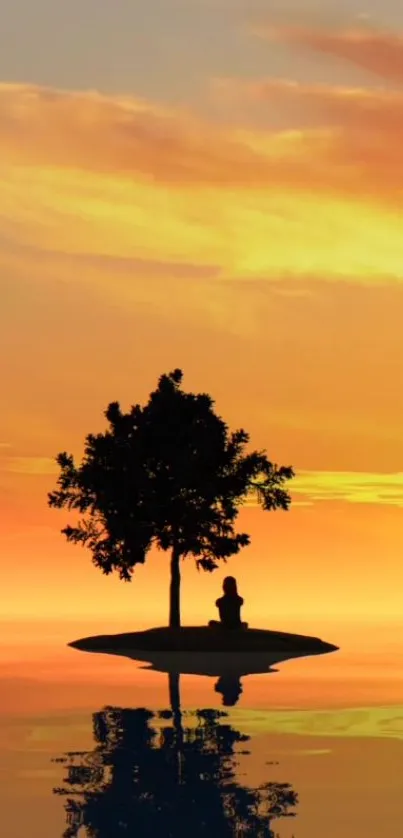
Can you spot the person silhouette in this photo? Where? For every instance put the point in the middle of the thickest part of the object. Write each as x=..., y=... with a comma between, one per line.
x=229, y=607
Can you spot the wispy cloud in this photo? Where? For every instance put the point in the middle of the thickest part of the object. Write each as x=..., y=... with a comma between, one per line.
x=351, y=140
x=29, y=465
x=311, y=487
x=378, y=51
x=226, y=201
x=119, y=135
x=351, y=487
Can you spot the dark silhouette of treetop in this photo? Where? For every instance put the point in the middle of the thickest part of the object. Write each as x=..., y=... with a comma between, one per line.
x=168, y=474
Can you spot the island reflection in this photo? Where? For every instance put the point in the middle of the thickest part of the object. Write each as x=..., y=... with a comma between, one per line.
x=228, y=668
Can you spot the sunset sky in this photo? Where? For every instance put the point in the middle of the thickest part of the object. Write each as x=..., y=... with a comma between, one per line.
x=215, y=186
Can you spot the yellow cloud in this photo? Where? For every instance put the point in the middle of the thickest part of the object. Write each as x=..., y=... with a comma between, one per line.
x=352, y=487
x=30, y=465
x=309, y=487
x=151, y=186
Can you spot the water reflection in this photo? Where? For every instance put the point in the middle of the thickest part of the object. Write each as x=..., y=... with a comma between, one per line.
x=230, y=688
x=228, y=667
x=167, y=774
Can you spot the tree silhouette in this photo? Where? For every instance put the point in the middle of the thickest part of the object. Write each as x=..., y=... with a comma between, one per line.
x=168, y=474
x=169, y=782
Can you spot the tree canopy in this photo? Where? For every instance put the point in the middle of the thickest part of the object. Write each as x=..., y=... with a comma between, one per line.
x=168, y=474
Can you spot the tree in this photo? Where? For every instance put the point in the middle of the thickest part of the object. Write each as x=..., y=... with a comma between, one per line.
x=168, y=474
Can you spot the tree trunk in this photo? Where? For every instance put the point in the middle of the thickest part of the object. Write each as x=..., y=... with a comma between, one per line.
x=174, y=694
x=175, y=702
x=174, y=591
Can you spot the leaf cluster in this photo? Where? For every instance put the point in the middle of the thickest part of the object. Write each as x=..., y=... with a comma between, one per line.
x=170, y=474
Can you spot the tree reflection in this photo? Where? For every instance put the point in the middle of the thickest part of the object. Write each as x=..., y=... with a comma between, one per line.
x=151, y=774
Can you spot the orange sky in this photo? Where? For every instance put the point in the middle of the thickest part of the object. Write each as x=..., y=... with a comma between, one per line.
x=250, y=234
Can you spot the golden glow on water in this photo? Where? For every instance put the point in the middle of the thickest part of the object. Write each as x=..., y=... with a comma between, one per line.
x=331, y=726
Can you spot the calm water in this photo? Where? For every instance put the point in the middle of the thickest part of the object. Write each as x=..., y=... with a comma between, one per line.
x=97, y=745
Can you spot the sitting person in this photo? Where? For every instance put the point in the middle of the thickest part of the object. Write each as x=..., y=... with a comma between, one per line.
x=229, y=607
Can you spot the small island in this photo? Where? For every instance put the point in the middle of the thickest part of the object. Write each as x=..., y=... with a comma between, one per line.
x=204, y=639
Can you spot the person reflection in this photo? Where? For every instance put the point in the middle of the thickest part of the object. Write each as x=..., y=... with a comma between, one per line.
x=230, y=688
